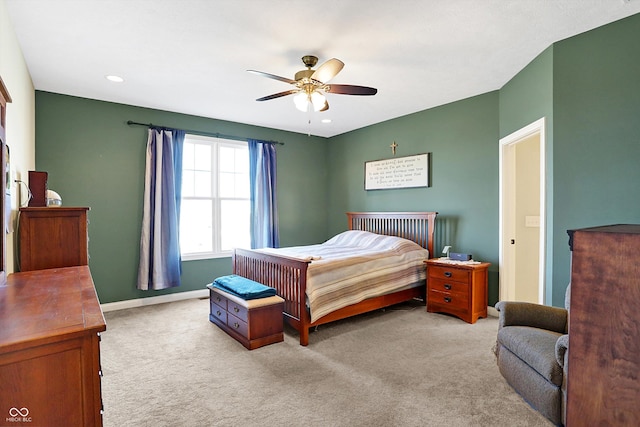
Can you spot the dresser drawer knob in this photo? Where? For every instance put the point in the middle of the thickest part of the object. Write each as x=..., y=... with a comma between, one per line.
x=447, y=274
x=236, y=309
x=447, y=286
x=218, y=299
x=218, y=313
x=236, y=325
x=447, y=299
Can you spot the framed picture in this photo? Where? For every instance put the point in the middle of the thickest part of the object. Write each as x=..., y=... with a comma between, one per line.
x=397, y=172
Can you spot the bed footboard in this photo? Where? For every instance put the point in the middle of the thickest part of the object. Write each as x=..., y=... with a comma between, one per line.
x=287, y=275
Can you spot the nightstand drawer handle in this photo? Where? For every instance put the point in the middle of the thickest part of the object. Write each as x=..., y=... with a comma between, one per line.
x=218, y=299
x=447, y=274
x=236, y=325
x=447, y=299
x=447, y=287
x=236, y=309
x=218, y=313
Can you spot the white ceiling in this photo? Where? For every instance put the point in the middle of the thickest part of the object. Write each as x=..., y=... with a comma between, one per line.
x=191, y=56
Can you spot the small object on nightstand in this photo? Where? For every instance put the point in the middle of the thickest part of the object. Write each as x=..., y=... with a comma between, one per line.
x=458, y=288
x=460, y=257
x=445, y=251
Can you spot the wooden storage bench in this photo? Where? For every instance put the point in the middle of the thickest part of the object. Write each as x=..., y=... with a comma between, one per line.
x=254, y=323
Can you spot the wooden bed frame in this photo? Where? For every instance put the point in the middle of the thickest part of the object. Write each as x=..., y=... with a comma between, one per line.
x=289, y=275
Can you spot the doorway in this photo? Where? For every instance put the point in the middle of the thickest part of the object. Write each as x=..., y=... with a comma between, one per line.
x=522, y=214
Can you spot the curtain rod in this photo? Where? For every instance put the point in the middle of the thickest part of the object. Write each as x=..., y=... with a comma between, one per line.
x=198, y=132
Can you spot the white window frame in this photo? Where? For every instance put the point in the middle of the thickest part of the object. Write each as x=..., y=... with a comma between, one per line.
x=215, y=198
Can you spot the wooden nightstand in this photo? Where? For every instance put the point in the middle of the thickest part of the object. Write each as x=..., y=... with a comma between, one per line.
x=459, y=289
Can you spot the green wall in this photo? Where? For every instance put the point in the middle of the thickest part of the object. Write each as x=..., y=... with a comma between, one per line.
x=587, y=87
x=528, y=97
x=462, y=138
x=95, y=159
x=596, y=153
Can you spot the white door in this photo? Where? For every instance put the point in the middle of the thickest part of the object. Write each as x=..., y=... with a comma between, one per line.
x=522, y=219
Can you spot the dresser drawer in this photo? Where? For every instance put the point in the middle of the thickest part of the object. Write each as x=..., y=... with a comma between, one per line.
x=238, y=325
x=454, y=301
x=219, y=300
x=445, y=285
x=444, y=272
x=237, y=310
x=219, y=313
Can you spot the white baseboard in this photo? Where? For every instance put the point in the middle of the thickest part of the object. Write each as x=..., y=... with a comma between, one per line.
x=203, y=293
x=161, y=299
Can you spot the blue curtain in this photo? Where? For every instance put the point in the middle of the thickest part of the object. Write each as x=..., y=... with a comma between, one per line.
x=264, y=212
x=160, y=261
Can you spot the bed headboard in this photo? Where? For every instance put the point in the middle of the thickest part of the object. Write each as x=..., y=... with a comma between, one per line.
x=416, y=226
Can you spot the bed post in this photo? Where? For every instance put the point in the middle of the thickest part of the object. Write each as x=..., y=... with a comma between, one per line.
x=288, y=276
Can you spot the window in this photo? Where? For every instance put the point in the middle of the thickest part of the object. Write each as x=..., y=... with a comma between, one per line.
x=215, y=208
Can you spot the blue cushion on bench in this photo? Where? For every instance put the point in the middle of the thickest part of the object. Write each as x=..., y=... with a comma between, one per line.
x=242, y=287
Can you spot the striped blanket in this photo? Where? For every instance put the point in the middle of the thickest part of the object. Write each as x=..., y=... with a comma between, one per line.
x=356, y=265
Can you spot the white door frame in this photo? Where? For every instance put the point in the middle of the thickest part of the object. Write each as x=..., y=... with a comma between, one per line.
x=506, y=221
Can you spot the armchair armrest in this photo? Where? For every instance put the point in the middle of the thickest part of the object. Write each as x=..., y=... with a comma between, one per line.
x=513, y=313
x=562, y=346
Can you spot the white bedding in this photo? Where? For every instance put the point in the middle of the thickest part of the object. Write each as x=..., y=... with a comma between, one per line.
x=356, y=265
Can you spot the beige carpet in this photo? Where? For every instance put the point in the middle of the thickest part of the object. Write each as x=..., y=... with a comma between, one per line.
x=167, y=365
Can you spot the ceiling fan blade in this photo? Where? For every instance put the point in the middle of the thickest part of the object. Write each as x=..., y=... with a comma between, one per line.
x=351, y=90
x=273, y=76
x=278, y=95
x=328, y=70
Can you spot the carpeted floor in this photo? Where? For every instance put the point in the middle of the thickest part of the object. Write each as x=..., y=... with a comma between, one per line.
x=167, y=365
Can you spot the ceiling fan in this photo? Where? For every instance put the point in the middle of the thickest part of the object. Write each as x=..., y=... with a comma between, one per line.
x=311, y=85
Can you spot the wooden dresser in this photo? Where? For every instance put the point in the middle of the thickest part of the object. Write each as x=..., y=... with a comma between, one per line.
x=53, y=237
x=603, y=386
x=458, y=289
x=50, y=322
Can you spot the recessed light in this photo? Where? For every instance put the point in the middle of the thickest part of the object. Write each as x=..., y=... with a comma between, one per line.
x=326, y=120
x=115, y=79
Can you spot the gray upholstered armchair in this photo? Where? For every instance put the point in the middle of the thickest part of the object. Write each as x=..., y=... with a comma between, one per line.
x=532, y=354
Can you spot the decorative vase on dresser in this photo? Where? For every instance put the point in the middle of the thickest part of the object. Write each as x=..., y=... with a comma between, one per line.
x=603, y=385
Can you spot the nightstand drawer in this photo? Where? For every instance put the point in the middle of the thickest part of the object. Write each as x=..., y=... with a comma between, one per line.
x=444, y=285
x=454, y=301
x=450, y=273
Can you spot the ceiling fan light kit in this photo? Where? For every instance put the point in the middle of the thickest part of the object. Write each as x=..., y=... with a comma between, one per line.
x=311, y=85
x=305, y=100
